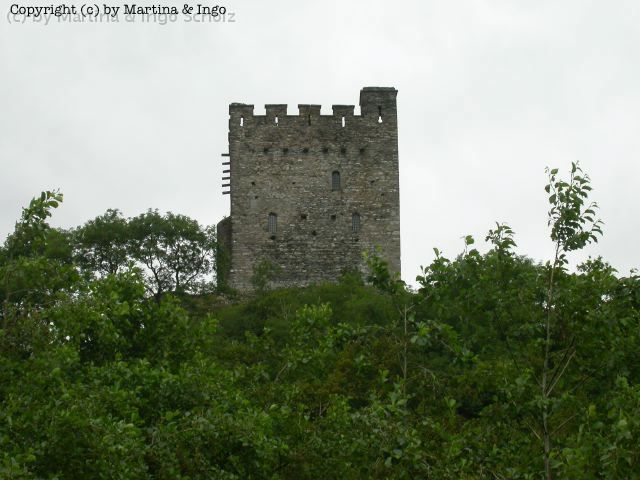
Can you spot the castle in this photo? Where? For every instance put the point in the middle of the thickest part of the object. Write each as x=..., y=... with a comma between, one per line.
x=309, y=192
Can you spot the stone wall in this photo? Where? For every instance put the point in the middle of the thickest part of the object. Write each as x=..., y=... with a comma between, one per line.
x=284, y=165
x=223, y=251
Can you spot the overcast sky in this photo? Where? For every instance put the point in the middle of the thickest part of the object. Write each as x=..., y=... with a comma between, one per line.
x=134, y=115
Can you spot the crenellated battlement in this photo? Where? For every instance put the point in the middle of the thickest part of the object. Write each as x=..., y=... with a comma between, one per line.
x=375, y=102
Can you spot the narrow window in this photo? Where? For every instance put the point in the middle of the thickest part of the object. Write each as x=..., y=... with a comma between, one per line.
x=309, y=119
x=343, y=122
x=335, y=181
x=273, y=223
x=379, y=114
x=355, y=223
x=242, y=121
x=276, y=120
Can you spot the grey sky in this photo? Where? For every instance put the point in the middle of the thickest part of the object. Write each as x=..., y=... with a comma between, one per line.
x=134, y=115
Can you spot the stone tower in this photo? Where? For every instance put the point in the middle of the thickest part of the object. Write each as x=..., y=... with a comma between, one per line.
x=309, y=192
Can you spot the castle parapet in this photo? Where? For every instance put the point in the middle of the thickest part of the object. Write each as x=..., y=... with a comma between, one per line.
x=377, y=102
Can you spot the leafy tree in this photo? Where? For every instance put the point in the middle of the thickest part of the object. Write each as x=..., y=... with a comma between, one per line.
x=31, y=231
x=573, y=225
x=102, y=244
x=35, y=271
x=175, y=251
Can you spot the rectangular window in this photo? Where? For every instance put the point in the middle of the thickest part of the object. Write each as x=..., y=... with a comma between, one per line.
x=335, y=181
x=355, y=223
x=273, y=223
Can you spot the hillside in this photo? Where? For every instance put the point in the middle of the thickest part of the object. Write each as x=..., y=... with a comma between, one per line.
x=496, y=367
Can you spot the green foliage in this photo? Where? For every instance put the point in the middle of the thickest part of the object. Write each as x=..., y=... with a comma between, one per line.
x=174, y=249
x=35, y=271
x=572, y=220
x=102, y=244
x=573, y=226
x=173, y=252
x=264, y=273
x=502, y=238
x=379, y=275
x=349, y=380
x=32, y=230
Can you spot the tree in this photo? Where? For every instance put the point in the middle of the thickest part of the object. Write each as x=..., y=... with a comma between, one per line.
x=102, y=244
x=36, y=273
x=35, y=261
x=573, y=226
x=176, y=253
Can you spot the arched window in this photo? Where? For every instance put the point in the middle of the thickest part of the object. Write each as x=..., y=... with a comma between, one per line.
x=335, y=181
x=272, y=223
x=355, y=223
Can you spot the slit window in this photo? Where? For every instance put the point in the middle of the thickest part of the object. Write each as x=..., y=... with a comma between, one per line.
x=343, y=122
x=242, y=121
x=355, y=223
x=335, y=181
x=272, y=223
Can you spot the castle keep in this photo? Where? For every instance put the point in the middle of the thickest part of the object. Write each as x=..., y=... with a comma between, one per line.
x=309, y=192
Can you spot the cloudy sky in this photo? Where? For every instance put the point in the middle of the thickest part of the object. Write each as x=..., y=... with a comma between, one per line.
x=133, y=115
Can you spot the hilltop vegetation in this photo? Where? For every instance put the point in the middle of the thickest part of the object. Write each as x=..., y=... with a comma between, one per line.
x=119, y=358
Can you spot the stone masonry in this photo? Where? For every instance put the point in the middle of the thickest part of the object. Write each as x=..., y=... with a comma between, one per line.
x=309, y=192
